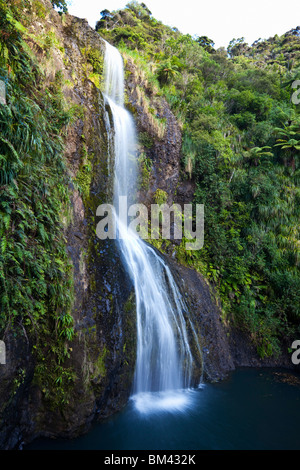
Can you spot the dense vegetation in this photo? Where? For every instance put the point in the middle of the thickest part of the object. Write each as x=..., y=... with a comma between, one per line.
x=61, y=5
x=241, y=146
x=35, y=273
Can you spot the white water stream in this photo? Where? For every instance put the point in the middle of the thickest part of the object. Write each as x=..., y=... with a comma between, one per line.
x=164, y=359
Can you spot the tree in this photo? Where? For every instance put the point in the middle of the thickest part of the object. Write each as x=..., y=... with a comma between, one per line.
x=61, y=5
x=206, y=43
x=237, y=47
x=105, y=14
x=146, y=9
x=166, y=72
x=291, y=78
x=290, y=143
x=254, y=155
x=141, y=10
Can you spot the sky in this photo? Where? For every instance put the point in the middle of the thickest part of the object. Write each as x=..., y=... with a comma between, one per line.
x=220, y=20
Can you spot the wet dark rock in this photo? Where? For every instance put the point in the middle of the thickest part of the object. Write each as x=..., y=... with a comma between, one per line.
x=165, y=153
x=224, y=347
x=79, y=235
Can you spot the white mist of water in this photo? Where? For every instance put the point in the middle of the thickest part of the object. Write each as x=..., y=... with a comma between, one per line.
x=164, y=359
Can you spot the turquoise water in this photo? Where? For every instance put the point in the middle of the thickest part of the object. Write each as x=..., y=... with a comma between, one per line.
x=252, y=409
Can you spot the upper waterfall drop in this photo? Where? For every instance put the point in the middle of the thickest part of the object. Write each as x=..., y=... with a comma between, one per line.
x=114, y=74
x=164, y=361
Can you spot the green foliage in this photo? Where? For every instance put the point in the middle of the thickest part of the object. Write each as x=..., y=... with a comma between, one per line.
x=241, y=147
x=290, y=143
x=132, y=27
x=160, y=197
x=145, y=168
x=140, y=10
x=36, y=288
x=84, y=175
x=167, y=71
x=61, y=5
x=237, y=47
x=146, y=140
x=206, y=43
x=105, y=14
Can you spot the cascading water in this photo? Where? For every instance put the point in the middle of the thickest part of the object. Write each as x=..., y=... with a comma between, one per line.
x=164, y=360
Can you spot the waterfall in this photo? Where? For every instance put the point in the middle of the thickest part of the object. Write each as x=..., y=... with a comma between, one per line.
x=164, y=360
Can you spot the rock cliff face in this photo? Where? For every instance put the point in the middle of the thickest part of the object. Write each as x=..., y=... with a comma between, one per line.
x=103, y=352
x=160, y=134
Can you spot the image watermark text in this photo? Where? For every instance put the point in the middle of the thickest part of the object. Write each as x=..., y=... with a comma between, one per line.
x=2, y=353
x=162, y=221
x=296, y=353
x=296, y=94
x=2, y=92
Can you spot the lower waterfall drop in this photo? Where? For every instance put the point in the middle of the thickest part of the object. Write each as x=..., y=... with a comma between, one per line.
x=164, y=362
